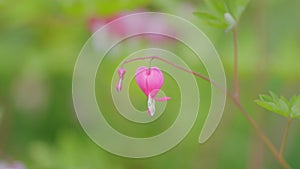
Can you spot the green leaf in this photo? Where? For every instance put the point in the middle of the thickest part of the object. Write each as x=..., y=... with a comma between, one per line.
x=211, y=20
x=206, y=16
x=216, y=6
x=284, y=107
x=295, y=100
x=217, y=24
x=272, y=107
x=280, y=105
x=295, y=111
x=265, y=98
x=274, y=96
x=295, y=107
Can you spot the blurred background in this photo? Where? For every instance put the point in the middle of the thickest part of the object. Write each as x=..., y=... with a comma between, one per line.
x=39, y=44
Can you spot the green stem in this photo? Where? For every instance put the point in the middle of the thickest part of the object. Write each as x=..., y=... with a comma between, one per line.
x=235, y=69
x=261, y=135
x=237, y=102
x=285, y=135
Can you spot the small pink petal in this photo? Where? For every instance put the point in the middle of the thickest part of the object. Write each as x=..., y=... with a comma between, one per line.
x=162, y=99
x=121, y=72
x=153, y=94
x=119, y=85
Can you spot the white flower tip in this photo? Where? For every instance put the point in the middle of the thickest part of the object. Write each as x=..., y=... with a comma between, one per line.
x=230, y=20
x=151, y=106
x=151, y=112
x=119, y=85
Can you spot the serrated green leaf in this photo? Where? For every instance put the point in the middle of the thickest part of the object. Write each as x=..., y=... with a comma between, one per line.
x=284, y=107
x=265, y=98
x=272, y=107
x=295, y=100
x=295, y=111
x=295, y=106
x=280, y=105
x=285, y=100
x=274, y=96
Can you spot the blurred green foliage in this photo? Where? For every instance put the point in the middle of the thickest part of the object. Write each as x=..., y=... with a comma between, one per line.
x=70, y=151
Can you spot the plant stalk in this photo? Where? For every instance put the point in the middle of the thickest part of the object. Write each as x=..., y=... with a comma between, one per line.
x=285, y=135
x=235, y=69
x=236, y=100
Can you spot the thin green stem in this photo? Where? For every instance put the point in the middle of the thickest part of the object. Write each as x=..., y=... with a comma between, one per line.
x=285, y=135
x=235, y=69
x=237, y=102
x=261, y=134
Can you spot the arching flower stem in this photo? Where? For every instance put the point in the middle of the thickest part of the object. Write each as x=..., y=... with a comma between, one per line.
x=176, y=66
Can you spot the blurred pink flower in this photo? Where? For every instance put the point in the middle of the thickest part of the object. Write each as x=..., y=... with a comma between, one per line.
x=14, y=165
x=147, y=23
x=95, y=23
x=150, y=80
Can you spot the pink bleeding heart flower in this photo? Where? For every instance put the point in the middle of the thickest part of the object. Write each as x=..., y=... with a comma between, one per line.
x=150, y=80
x=121, y=72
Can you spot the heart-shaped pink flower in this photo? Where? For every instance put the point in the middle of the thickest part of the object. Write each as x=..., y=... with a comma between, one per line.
x=150, y=80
